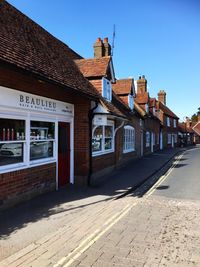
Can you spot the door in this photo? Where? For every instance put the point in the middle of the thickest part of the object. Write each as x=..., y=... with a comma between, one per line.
x=63, y=153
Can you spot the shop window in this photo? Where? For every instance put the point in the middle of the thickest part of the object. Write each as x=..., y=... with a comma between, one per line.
x=148, y=139
x=12, y=140
x=129, y=139
x=102, y=141
x=42, y=139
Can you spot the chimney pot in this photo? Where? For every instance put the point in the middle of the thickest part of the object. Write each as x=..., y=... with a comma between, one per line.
x=98, y=39
x=143, y=76
x=105, y=40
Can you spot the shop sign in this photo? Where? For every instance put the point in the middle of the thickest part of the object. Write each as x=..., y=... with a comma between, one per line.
x=18, y=99
x=100, y=120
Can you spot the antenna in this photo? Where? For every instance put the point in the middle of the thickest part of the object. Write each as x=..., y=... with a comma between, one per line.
x=113, y=41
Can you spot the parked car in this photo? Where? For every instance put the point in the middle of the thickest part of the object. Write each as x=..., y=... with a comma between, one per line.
x=11, y=150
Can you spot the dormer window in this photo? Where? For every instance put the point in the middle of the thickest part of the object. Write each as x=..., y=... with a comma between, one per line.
x=131, y=101
x=147, y=108
x=107, y=89
x=154, y=111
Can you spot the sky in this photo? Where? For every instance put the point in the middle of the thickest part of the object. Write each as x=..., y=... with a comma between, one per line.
x=156, y=38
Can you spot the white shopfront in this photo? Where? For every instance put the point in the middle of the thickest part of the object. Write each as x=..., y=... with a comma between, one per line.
x=30, y=128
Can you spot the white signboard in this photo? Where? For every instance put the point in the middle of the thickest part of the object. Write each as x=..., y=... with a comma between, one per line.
x=18, y=99
x=100, y=120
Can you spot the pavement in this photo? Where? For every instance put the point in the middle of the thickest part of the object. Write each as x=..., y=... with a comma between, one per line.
x=51, y=226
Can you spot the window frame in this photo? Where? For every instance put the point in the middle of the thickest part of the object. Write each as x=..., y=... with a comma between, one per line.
x=175, y=123
x=169, y=138
x=103, y=150
x=147, y=136
x=130, y=129
x=107, y=89
x=131, y=101
x=168, y=122
x=26, y=142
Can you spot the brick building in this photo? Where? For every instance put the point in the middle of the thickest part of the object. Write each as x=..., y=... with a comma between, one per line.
x=169, y=121
x=44, y=111
x=151, y=123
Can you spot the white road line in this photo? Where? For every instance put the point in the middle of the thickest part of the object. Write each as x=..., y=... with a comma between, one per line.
x=163, y=177
x=90, y=240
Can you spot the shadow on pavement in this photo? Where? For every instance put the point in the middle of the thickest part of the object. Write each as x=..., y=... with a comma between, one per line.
x=118, y=184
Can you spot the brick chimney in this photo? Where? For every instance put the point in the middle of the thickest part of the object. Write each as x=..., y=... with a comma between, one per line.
x=107, y=47
x=98, y=48
x=162, y=96
x=141, y=85
x=187, y=121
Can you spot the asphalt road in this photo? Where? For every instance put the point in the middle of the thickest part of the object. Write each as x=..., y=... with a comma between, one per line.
x=184, y=180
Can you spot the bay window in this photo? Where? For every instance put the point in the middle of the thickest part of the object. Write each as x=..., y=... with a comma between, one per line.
x=129, y=139
x=103, y=139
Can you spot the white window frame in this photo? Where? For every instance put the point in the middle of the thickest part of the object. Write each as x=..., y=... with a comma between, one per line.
x=147, y=108
x=169, y=138
x=103, y=150
x=131, y=101
x=148, y=139
x=175, y=123
x=168, y=122
x=129, y=138
x=107, y=89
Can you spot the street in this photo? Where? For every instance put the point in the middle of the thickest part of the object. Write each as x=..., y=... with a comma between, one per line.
x=159, y=227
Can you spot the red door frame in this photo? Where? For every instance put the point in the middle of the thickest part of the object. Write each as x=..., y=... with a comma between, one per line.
x=63, y=153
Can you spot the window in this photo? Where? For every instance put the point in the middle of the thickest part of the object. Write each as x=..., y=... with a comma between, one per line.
x=131, y=101
x=168, y=122
x=174, y=123
x=154, y=111
x=106, y=89
x=169, y=138
x=102, y=141
x=147, y=139
x=154, y=139
x=12, y=141
x=42, y=139
x=158, y=138
x=175, y=138
x=129, y=139
x=147, y=108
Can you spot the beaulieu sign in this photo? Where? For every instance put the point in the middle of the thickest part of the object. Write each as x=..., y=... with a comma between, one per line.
x=17, y=99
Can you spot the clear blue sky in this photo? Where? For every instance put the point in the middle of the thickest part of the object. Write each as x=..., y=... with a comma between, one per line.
x=157, y=38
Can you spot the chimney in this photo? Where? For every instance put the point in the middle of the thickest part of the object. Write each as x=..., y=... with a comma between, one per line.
x=162, y=96
x=107, y=47
x=98, y=48
x=187, y=121
x=141, y=85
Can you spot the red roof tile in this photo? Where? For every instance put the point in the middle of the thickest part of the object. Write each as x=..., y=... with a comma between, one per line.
x=123, y=86
x=94, y=67
x=28, y=46
x=142, y=98
x=166, y=110
x=196, y=128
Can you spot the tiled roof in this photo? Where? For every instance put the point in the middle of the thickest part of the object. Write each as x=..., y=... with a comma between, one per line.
x=166, y=110
x=142, y=98
x=25, y=44
x=152, y=102
x=94, y=67
x=196, y=128
x=123, y=86
x=182, y=128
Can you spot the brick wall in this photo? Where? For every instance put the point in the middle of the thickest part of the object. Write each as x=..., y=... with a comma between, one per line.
x=19, y=80
x=23, y=184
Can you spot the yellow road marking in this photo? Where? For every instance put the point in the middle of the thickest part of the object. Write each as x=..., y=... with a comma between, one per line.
x=90, y=240
x=163, y=177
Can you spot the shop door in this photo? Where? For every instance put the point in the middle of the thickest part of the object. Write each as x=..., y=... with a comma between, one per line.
x=63, y=153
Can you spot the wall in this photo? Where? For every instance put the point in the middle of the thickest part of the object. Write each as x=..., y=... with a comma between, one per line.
x=16, y=79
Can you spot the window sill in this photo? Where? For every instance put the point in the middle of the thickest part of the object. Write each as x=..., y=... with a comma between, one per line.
x=101, y=153
x=128, y=151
